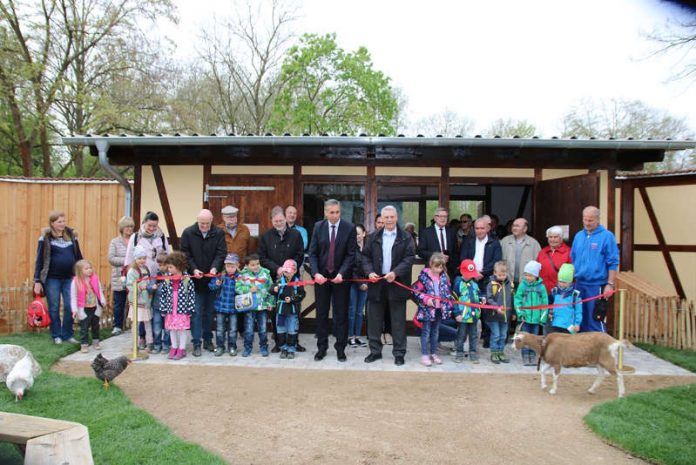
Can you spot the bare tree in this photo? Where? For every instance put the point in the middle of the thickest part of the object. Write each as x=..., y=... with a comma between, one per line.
x=447, y=123
x=243, y=58
x=42, y=41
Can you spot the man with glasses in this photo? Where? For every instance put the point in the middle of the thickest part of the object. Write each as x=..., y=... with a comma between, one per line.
x=466, y=228
x=440, y=238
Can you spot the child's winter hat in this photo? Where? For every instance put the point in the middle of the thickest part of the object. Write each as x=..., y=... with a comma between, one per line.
x=289, y=266
x=232, y=258
x=468, y=269
x=138, y=252
x=565, y=274
x=533, y=267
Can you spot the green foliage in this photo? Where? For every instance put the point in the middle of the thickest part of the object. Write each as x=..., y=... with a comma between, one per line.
x=329, y=90
x=511, y=128
x=659, y=425
x=120, y=433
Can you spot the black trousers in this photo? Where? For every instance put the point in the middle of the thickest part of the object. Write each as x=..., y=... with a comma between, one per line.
x=376, y=312
x=91, y=322
x=336, y=297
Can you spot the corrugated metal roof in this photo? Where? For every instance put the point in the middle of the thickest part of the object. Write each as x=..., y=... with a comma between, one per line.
x=377, y=141
x=655, y=174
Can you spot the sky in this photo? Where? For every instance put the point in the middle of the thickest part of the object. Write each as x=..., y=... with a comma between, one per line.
x=525, y=60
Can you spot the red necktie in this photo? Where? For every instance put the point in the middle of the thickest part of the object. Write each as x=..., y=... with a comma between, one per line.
x=442, y=242
x=332, y=249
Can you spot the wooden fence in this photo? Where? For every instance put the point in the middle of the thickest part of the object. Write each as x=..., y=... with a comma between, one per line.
x=91, y=207
x=13, y=310
x=655, y=316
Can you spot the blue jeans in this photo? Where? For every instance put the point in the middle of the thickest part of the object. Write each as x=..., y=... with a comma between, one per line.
x=54, y=288
x=160, y=335
x=119, y=307
x=287, y=324
x=588, y=323
x=429, y=335
x=261, y=319
x=202, y=318
x=356, y=309
x=498, y=333
x=470, y=331
x=221, y=319
x=531, y=329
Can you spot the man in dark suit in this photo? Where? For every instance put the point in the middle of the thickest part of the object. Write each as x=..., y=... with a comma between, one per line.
x=440, y=238
x=388, y=253
x=484, y=250
x=331, y=260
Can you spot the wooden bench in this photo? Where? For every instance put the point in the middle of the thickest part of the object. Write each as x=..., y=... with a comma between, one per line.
x=46, y=441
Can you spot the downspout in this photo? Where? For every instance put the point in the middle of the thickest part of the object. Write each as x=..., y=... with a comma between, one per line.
x=103, y=148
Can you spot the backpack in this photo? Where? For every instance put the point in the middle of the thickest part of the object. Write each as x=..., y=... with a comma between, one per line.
x=37, y=315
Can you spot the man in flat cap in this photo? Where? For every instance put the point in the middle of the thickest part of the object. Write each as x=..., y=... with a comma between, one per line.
x=236, y=233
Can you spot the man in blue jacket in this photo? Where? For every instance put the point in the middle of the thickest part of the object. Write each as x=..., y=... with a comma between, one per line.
x=596, y=259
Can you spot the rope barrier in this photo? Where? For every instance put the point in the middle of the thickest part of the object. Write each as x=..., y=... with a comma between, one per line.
x=312, y=282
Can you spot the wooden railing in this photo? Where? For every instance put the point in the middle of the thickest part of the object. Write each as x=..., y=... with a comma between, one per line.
x=655, y=316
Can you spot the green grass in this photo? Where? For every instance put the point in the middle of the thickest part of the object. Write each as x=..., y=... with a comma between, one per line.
x=120, y=433
x=659, y=426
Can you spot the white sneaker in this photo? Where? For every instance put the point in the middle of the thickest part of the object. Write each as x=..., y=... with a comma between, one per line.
x=72, y=340
x=116, y=331
x=57, y=340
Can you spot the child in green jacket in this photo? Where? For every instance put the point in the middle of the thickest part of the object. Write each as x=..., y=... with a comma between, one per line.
x=254, y=285
x=531, y=293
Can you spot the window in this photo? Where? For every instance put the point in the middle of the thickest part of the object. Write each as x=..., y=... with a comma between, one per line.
x=351, y=196
x=414, y=203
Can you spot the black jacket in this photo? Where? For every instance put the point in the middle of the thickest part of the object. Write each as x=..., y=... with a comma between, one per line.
x=403, y=254
x=492, y=252
x=429, y=243
x=203, y=253
x=274, y=250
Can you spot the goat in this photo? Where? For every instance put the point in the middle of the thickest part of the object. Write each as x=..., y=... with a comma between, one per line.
x=574, y=350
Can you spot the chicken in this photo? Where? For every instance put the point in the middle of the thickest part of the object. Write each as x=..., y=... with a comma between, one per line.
x=21, y=377
x=106, y=370
x=18, y=368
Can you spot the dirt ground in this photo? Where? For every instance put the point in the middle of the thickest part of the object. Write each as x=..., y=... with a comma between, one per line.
x=287, y=416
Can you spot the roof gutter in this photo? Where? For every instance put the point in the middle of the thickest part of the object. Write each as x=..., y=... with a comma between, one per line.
x=103, y=148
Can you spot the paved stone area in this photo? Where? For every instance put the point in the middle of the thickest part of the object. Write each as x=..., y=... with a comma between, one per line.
x=644, y=363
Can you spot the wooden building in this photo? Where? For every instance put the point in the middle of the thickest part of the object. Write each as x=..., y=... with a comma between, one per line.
x=548, y=181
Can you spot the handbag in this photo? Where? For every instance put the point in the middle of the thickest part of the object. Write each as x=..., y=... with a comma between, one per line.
x=37, y=314
x=245, y=302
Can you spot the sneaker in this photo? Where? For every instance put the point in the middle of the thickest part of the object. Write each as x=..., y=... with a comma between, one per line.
x=360, y=342
x=182, y=353
x=473, y=356
x=283, y=354
x=453, y=351
x=246, y=353
x=197, y=351
x=150, y=348
x=459, y=358
x=172, y=354
x=84, y=348
x=233, y=352
x=503, y=358
x=494, y=358
x=264, y=351
x=436, y=360
x=209, y=346
x=57, y=340
x=425, y=360
x=96, y=345
x=352, y=342
x=219, y=351
x=156, y=350
x=291, y=355
x=72, y=340
x=116, y=331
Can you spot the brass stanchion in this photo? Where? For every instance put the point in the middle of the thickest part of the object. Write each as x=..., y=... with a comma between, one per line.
x=135, y=327
x=621, y=368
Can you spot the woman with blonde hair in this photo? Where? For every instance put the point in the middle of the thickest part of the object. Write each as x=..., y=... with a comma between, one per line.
x=117, y=258
x=56, y=255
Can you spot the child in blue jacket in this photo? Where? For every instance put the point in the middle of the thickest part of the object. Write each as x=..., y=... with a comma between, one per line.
x=566, y=319
x=465, y=289
x=226, y=314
